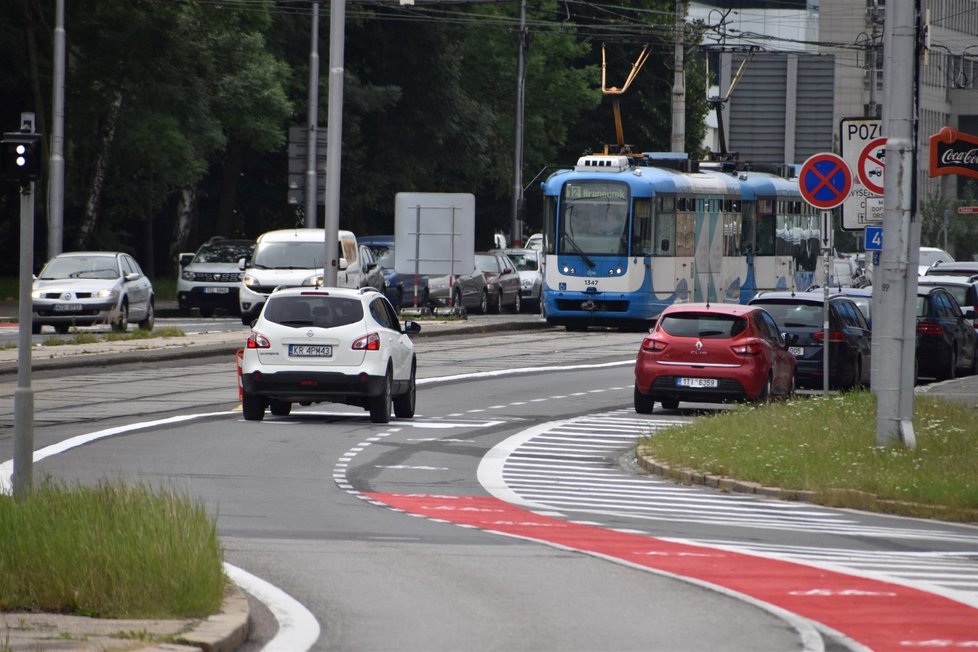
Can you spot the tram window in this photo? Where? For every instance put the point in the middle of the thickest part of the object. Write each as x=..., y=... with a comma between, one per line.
x=766, y=235
x=642, y=228
x=685, y=234
x=735, y=205
x=665, y=234
x=549, y=223
x=667, y=204
x=731, y=234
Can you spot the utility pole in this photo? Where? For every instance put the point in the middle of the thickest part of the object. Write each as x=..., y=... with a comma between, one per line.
x=679, y=82
x=56, y=165
x=893, y=338
x=519, y=203
x=312, y=137
x=334, y=138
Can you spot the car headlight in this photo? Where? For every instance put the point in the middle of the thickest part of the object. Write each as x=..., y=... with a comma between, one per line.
x=187, y=275
x=526, y=283
x=105, y=294
x=37, y=294
x=249, y=281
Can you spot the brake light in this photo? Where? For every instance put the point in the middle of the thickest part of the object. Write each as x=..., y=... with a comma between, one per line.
x=258, y=341
x=927, y=328
x=750, y=348
x=834, y=336
x=654, y=345
x=369, y=342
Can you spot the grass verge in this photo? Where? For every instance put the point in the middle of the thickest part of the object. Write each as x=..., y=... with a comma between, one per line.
x=91, y=338
x=111, y=551
x=827, y=445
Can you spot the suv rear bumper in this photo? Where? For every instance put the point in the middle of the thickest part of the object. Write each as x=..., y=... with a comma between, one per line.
x=296, y=386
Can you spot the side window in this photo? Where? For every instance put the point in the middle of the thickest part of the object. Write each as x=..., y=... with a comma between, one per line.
x=772, y=327
x=391, y=315
x=763, y=328
x=845, y=312
x=129, y=266
x=953, y=309
x=378, y=312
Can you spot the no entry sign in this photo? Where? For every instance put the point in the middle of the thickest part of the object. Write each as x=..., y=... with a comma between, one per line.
x=825, y=180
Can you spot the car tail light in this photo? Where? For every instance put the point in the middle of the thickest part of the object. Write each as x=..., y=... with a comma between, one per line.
x=927, y=328
x=834, y=336
x=258, y=341
x=750, y=348
x=654, y=345
x=369, y=342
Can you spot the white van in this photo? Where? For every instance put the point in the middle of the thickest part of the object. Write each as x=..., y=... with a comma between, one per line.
x=292, y=257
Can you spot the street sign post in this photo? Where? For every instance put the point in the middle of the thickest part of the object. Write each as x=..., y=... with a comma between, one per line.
x=860, y=143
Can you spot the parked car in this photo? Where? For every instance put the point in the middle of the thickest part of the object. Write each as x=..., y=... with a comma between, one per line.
x=946, y=339
x=964, y=289
x=209, y=279
x=930, y=257
x=329, y=344
x=529, y=265
x=492, y=285
x=850, y=338
x=292, y=257
x=712, y=353
x=372, y=276
x=954, y=268
x=84, y=288
x=535, y=242
x=400, y=287
x=863, y=298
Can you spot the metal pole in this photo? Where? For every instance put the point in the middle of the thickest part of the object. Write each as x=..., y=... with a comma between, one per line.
x=24, y=394
x=312, y=141
x=893, y=337
x=334, y=137
x=679, y=82
x=56, y=165
x=825, y=324
x=516, y=232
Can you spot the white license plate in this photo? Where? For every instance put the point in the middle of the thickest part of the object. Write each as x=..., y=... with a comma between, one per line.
x=67, y=307
x=797, y=351
x=696, y=382
x=310, y=351
x=217, y=290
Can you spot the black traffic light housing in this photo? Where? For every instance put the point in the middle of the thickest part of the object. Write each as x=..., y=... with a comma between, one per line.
x=21, y=156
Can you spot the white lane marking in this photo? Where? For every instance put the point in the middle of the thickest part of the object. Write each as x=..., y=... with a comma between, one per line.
x=298, y=629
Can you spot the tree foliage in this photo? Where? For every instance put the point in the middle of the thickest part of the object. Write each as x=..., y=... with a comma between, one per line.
x=177, y=111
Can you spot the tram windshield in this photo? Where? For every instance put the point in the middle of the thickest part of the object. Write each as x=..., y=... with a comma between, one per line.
x=594, y=219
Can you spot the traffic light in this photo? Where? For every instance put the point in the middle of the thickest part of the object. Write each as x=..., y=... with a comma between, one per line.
x=21, y=153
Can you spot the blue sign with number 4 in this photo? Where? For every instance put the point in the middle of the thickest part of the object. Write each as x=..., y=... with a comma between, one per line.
x=874, y=238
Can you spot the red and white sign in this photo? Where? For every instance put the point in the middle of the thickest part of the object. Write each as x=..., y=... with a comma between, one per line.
x=870, y=165
x=967, y=210
x=825, y=180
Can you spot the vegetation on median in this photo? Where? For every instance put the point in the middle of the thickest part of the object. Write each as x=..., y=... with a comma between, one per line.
x=112, y=551
x=827, y=445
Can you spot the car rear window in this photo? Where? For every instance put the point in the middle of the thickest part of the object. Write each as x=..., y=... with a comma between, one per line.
x=685, y=324
x=794, y=315
x=313, y=310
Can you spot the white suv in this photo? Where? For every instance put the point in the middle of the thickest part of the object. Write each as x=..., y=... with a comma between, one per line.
x=338, y=345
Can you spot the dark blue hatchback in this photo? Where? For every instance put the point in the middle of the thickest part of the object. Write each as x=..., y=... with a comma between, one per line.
x=850, y=339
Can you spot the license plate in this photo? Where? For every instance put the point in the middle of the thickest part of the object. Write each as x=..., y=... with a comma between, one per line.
x=696, y=382
x=310, y=351
x=67, y=307
x=217, y=290
x=797, y=351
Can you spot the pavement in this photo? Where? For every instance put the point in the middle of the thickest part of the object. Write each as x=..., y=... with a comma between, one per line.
x=229, y=628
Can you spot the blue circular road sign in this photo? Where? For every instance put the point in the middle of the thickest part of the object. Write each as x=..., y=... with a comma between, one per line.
x=825, y=180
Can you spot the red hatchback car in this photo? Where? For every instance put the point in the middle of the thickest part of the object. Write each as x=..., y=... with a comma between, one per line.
x=712, y=353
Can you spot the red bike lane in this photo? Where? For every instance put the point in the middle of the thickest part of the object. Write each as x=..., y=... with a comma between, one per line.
x=874, y=613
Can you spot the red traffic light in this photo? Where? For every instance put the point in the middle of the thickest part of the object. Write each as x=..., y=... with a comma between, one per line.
x=20, y=156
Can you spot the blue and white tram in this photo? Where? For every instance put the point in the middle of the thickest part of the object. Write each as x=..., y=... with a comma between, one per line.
x=626, y=237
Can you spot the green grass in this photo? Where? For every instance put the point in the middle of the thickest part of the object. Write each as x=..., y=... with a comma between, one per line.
x=827, y=445
x=110, y=551
x=164, y=289
x=91, y=338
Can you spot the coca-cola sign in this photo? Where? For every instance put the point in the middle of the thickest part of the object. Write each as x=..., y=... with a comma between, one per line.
x=952, y=152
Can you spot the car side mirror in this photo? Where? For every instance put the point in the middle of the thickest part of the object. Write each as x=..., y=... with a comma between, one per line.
x=971, y=314
x=411, y=327
x=242, y=263
x=132, y=276
x=343, y=264
x=789, y=339
x=186, y=259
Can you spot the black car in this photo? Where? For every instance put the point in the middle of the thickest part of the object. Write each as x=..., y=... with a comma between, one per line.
x=946, y=339
x=799, y=314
